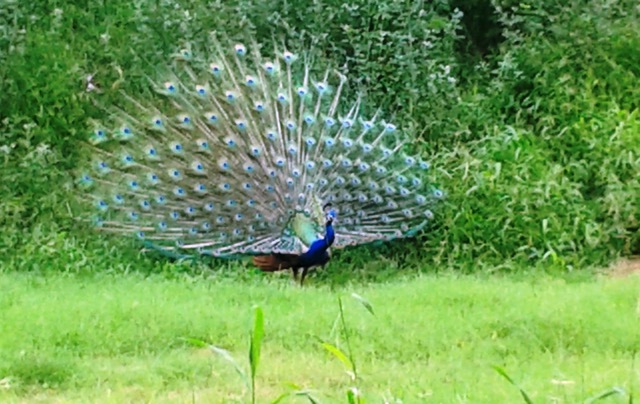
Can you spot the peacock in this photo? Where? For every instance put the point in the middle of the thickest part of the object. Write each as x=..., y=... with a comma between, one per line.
x=234, y=154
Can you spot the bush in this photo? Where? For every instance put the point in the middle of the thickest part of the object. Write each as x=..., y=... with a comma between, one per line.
x=529, y=112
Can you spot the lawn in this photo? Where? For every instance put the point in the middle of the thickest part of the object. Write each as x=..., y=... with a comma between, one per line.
x=433, y=338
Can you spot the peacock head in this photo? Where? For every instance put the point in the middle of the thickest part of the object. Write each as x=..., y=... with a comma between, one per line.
x=330, y=213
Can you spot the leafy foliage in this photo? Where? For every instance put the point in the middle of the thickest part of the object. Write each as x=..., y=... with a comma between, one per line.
x=530, y=110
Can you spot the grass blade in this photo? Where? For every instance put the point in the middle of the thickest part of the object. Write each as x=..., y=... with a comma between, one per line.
x=608, y=393
x=342, y=357
x=504, y=374
x=227, y=356
x=256, y=341
x=367, y=305
x=254, y=349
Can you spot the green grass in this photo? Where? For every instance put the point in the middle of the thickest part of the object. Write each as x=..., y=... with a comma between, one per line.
x=120, y=338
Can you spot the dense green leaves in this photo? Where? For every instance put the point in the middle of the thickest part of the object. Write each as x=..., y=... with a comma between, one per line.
x=528, y=110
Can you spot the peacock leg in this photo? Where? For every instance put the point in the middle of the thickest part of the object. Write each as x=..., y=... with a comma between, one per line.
x=294, y=270
x=305, y=270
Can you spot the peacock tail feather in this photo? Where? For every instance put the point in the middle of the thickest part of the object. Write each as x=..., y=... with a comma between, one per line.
x=238, y=154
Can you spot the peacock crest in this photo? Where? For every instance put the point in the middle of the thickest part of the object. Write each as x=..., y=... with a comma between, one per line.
x=236, y=153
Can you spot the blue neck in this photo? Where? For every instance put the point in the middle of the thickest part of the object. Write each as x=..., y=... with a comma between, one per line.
x=317, y=253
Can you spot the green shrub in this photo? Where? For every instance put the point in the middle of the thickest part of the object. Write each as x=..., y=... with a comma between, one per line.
x=528, y=111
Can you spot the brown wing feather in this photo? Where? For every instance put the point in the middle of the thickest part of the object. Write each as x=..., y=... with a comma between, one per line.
x=276, y=262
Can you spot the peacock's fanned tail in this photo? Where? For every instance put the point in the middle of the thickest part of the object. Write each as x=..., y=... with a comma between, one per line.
x=238, y=154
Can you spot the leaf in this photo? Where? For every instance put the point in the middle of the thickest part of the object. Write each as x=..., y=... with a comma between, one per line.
x=367, y=305
x=256, y=341
x=342, y=357
x=608, y=393
x=504, y=374
x=351, y=397
x=227, y=356
x=299, y=393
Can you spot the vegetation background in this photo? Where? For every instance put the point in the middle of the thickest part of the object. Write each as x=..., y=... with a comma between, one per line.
x=528, y=112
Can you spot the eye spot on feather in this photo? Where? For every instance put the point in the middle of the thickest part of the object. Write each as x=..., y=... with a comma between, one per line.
x=389, y=128
x=174, y=215
x=347, y=123
x=251, y=203
x=288, y=57
x=162, y=226
x=249, y=168
x=329, y=122
x=255, y=151
x=133, y=185
x=170, y=87
x=215, y=69
x=290, y=183
x=259, y=106
x=102, y=205
x=241, y=125
x=179, y=191
x=272, y=135
x=203, y=145
x=309, y=119
x=310, y=165
x=438, y=194
x=161, y=200
x=200, y=188
x=250, y=81
x=209, y=207
x=321, y=87
x=212, y=118
x=302, y=91
x=176, y=147
x=100, y=134
x=231, y=142
x=238, y=217
x=133, y=216
x=269, y=188
x=282, y=98
x=346, y=163
x=401, y=179
x=225, y=186
x=240, y=49
x=428, y=214
x=269, y=68
x=363, y=167
x=326, y=163
x=201, y=90
x=230, y=96
x=175, y=174
x=329, y=142
x=127, y=159
x=223, y=164
x=421, y=200
x=232, y=203
x=280, y=162
x=190, y=210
